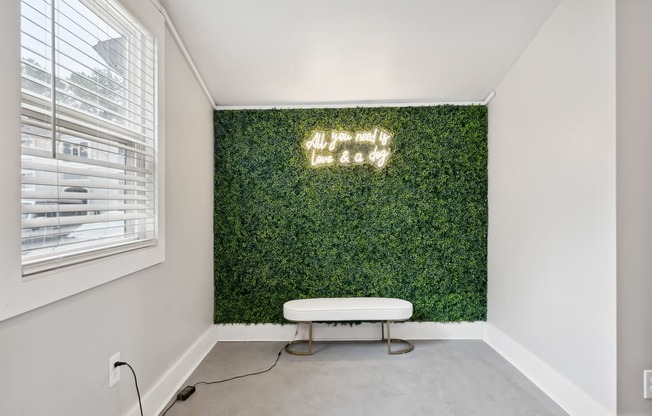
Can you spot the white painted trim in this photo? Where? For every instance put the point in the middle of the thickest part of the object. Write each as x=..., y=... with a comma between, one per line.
x=186, y=55
x=369, y=104
x=157, y=398
x=490, y=97
x=566, y=394
x=363, y=331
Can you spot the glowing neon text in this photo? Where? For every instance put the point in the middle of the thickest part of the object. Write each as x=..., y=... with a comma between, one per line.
x=345, y=148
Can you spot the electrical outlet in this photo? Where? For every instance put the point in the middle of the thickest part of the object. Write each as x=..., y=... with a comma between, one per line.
x=647, y=382
x=114, y=372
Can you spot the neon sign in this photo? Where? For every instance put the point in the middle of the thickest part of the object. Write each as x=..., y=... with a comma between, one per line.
x=346, y=148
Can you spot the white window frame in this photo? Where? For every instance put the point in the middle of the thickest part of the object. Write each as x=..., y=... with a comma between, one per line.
x=141, y=228
x=17, y=294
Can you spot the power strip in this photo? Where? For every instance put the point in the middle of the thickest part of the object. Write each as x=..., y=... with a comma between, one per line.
x=185, y=393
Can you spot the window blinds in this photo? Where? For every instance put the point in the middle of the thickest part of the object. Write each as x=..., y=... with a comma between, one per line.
x=88, y=132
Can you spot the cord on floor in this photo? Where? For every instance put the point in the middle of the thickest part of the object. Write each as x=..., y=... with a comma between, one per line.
x=278, y=356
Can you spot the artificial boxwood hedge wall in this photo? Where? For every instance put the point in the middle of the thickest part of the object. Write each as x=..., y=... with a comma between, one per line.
x=415, y=229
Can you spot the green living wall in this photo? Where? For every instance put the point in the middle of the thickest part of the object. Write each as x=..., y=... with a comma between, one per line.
x=415, y=228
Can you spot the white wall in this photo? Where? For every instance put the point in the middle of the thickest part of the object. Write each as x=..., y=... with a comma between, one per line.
x=634, y=176
x=54, y=360
x=552, y=209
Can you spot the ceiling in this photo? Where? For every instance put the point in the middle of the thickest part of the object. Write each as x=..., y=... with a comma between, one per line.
x=293, y=52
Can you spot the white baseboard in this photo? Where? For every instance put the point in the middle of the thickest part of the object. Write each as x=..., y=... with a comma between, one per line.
x=566, y=394
x=342, y=332
x=155, y=400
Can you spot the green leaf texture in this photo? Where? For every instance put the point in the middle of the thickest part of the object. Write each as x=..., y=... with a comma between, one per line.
x=415, y=229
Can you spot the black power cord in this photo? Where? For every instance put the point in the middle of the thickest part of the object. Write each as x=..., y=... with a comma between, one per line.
x=121, y=363
x=182, y=396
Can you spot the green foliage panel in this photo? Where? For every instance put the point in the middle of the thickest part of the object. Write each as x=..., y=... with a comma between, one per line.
x=415, y=229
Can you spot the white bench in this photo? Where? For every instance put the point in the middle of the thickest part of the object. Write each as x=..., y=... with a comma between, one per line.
x=385, y=310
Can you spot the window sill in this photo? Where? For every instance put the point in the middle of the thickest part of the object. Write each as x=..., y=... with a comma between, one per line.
x=19, y=295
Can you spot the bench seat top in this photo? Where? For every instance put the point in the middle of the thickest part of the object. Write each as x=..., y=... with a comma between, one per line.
x=347, y=309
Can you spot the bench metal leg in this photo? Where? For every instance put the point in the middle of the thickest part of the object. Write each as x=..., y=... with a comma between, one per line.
x=292, y=351
x=408, y=345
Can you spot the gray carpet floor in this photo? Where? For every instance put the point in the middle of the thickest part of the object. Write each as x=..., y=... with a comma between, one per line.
x=443, y=378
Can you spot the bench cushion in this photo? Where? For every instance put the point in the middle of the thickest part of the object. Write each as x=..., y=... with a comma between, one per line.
x=347, y=309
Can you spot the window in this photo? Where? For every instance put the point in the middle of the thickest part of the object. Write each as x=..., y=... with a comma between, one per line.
x=88, y=133
x=74, y=149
